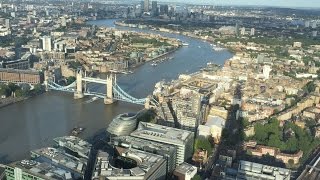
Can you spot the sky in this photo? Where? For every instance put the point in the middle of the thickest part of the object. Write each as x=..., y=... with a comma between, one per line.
x=282, y=3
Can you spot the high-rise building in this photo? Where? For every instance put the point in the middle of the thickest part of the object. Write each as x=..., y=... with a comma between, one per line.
x=46, y=43
x=237, y=29
x=63, y=22
x=243, y=31
x=313, y=24
x=252, y=32
x=154, y=9
x=164, y=9
x=13, y=14
x=266, y=71
x=146, y=6
x=307, y=24
x=8, y=23
x=182, y=139
x=141, y=6
x=314, y=33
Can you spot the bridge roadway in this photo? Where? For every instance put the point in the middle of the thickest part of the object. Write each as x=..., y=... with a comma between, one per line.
x=95, y=80
x=117, y=92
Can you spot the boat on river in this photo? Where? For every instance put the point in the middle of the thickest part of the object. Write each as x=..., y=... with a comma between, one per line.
x=185, y=44
x=76, y=131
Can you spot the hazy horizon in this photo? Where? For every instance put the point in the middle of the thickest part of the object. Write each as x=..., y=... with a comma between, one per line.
x=273, y=3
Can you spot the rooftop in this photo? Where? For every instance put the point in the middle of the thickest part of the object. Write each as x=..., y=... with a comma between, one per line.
x=145, y=162
x=43, y=170
x=215, y=121
x=60, y=157
x=251, y=169
x=161, y=133
x=74, y=144
x=185, y=168
x=9, y=70
x=142, y=144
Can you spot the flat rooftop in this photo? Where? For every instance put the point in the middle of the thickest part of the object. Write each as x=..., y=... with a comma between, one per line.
x=185, y=168
x=74, y=144
x=60, y=157
x=42, y=170
x=251, y=169
x=161, y=133
x=145, y=162
x=145, y=145
x=9, y=70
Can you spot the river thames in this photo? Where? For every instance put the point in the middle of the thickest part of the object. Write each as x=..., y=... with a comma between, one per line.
x=33, y=123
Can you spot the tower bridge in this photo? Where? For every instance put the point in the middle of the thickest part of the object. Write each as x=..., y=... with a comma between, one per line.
x=113, y=90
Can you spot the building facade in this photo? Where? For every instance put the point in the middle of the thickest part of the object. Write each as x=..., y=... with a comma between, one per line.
x=182, y=139
x=20, y=76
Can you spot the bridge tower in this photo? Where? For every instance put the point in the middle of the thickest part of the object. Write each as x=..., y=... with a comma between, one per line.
x=111, y=79
x=46, y=79
x=79, y=91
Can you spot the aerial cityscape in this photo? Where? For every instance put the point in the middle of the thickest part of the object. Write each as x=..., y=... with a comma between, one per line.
x=159, y=90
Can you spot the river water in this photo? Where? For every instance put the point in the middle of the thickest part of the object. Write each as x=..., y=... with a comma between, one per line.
x=33, y=123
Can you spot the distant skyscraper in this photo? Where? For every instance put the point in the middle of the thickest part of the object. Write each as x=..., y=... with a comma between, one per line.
x=63, y=22
x=164, y=9
x=243, y=31
x=142, y=6
x=46, y=43
x=154, y=8
x=252, y=32
x=307, y=24
x=13, y=14
x=28, y=19
x=8, y=23
x=146, y=6
x=314, y=24
x=237, y=29
x=266, y=71
x=314, y=33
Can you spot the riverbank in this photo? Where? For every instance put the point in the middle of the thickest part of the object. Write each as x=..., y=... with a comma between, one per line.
x=10, y=100
x=165, y=30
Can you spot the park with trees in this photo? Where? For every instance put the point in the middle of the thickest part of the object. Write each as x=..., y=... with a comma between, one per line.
x=289, y=138
x=24, y=90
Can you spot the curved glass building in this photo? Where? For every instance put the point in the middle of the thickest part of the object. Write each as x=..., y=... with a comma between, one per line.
x=123, y=124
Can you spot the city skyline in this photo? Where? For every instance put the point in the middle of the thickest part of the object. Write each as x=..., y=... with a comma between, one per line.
x=272, y=3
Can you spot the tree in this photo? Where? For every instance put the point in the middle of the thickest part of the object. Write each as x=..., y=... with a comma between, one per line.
x=38, y=89
x=70, y=80
x=5, y=90
x=203, y=143
x=13, y=87
x=292, y=144
x=260, y=133
x=274, y=141
x=196, y=177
